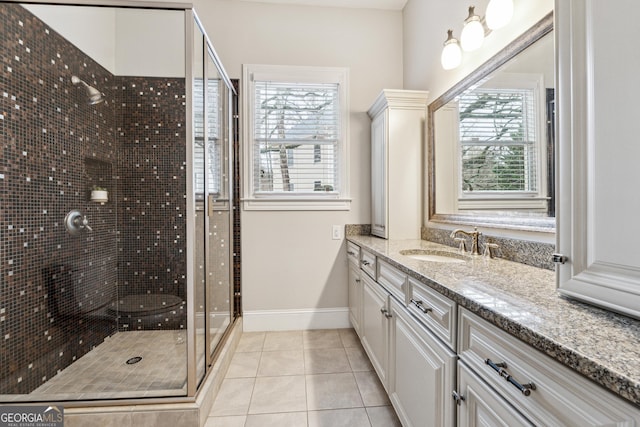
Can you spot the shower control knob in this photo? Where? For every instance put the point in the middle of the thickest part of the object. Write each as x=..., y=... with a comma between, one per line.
x=85, y=223
x=75, y=222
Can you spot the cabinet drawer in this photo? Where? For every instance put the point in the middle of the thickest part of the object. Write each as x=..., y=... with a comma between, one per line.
x=368, y=263
x=435, y=311
x=353, y=253
x=393, y=280
x=482, y=406
x=557, y=395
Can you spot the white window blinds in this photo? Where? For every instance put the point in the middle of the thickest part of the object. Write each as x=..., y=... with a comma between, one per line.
x=498, y=141
x=213, y=136
x=296, y=133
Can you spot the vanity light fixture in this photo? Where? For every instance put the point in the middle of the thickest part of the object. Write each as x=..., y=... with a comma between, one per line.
x=472, y=34
x=499, y=13
x=451, y=53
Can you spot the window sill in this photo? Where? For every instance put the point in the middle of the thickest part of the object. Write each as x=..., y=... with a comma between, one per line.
x=297, y=204
x=509, y=202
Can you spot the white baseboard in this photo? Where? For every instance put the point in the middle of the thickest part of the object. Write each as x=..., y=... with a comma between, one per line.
x=291, y=320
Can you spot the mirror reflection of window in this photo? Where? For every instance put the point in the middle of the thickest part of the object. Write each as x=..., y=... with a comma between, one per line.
x=492, y=140
x=501, y=149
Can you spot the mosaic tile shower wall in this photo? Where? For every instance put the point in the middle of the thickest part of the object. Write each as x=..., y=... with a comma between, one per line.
x=151, y=201
x=47, y=132
x=57, y=290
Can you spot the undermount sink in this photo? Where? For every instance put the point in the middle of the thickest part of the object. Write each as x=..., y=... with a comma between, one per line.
x=434, y=255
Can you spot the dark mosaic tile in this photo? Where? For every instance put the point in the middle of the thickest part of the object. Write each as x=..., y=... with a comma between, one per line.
x=54, y=148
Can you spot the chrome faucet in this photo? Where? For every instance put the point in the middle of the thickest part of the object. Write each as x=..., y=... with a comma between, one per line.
x=474, y=238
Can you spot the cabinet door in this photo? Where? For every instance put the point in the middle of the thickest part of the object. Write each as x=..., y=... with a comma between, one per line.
x=375, y=325
x=355, y=297
x=598, y=153
x=379, y=175
x=421, y=373
x=481, y=406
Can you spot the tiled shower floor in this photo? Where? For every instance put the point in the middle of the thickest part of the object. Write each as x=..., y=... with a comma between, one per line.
x=103, y=372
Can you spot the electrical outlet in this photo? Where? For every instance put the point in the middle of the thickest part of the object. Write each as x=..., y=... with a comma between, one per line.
x=336, y=232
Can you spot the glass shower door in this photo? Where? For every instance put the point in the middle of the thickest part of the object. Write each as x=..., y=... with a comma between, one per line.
x=199, y=189
x=219, y=224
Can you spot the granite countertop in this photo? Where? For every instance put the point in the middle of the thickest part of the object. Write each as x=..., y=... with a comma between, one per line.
x=523, y=301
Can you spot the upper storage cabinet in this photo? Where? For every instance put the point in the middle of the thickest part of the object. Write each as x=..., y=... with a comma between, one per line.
x=598, y=227
x=397, y=135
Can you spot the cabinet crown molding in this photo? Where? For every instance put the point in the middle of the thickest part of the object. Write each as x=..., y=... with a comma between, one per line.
x=397, y=98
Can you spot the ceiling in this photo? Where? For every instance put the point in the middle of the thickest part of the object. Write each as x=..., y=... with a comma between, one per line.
x=358, y=4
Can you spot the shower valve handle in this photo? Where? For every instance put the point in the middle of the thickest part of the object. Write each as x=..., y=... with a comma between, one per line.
x=76, y=222
x=85, y=223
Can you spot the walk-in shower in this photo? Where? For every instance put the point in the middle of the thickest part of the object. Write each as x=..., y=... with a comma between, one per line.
x=127, y=295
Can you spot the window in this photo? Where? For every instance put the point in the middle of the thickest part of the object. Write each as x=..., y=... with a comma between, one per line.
x=213, y=134
x=296, y=138
x=501, y=147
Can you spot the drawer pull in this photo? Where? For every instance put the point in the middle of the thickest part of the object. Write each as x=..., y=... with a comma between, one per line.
x=365, y=262
x=351, y=253
x=525, y=389
x=357, y=280
x=422, y=308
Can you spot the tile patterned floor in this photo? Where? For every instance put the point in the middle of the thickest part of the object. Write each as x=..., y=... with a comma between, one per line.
x=318, y=378
x=103, y=372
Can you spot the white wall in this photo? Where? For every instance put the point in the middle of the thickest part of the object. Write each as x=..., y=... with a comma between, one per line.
x=91, y=29
x=425, y=29
x=289, y=259
x=150, y=43
x=127, y=42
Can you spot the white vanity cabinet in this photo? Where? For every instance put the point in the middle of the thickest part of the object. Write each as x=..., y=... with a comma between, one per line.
x=355, y=287
x=513, y=378
x=421, y=373
x=598, y=153
x=397, y=137
x=416, y=368
x=443, y=365
x=375, y=326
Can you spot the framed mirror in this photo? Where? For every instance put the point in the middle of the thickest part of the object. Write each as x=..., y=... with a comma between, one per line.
x=491, y=140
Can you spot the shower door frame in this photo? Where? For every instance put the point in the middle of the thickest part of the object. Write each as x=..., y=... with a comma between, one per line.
x=191, y=20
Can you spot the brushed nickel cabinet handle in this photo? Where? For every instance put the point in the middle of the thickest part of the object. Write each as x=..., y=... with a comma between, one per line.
x=500, y=368
x=418, y=303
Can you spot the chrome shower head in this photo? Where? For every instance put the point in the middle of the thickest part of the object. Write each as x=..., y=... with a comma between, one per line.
x=94, y=95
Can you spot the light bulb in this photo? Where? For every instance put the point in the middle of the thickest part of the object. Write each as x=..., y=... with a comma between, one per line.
x=472, y=34
x=451, y=53
x=499, y=13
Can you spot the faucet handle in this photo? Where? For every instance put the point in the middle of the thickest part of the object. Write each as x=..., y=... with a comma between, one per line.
x=462, y=244
x=489, y=249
